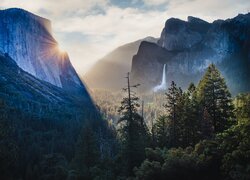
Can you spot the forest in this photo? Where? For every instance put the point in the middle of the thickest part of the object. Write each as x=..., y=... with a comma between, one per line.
x=199, y=133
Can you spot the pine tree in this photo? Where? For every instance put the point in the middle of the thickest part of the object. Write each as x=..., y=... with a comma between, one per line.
x=133, y=130
x=207, y=128
x=161, y=131
x=191, y=123
x=216, y=99
x=173, y=107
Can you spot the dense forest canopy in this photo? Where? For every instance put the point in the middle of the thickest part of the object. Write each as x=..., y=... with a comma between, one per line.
x=198, y=133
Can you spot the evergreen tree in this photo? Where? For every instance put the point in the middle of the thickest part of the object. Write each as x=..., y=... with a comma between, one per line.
x=235, y=142
x=188, y=119
x=191, y=111
x=173, y=106
x=216, y=99
x=161, y=131
x=133, y=131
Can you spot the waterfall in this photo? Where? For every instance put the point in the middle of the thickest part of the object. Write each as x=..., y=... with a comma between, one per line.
x=163, y=84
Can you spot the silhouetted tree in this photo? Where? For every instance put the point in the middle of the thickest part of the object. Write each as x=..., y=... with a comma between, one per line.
x=133, y=131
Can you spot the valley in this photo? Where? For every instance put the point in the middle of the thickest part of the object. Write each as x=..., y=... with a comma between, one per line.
x=174, y=107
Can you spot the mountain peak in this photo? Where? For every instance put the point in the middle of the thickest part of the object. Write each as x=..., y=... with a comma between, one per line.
x=179, y=35
x=20, y=11
x=192, y=19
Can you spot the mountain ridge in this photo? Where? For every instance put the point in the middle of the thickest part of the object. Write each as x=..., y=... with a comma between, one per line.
x=222, y=42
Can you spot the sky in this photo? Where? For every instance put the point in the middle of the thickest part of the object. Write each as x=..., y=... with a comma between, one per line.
x=89, y=29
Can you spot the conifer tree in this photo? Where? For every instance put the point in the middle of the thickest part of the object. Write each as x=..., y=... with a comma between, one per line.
x=133, y=130
x=191, y=123
x=173, y=107
x=161, y=131
x=216, y=99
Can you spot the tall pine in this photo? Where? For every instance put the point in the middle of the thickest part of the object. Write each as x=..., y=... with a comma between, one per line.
x=190, y=117
x=133, y=131
x=216, y=99
x=174, y=107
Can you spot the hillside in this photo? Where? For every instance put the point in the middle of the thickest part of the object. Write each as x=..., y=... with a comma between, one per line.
x=109, y=71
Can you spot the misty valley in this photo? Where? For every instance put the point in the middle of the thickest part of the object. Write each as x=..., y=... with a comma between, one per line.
x=175, y=107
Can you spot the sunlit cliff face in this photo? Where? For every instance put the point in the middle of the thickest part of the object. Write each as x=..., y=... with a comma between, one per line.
x=28, y=40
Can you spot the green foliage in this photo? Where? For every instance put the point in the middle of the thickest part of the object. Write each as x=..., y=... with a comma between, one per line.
x=176, y=164
x=160, y=131
x=226, y=157
x=40, y=146
x=190, y=116
x=242, y=104
x=200, y=113
x=133, y=131
x=235, y=142
x=216, y=99
x=181, y=126
x=174, y=106
x=109, y=103
x=95, y=151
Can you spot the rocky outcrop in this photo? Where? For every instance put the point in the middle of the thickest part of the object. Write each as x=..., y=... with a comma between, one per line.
x=28, y=40
x=188, y=47
x=180, y=35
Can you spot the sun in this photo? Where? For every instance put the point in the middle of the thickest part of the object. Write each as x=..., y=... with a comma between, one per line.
x=60, y=48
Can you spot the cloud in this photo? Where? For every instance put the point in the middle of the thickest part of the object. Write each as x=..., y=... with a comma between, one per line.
x=89, y=29
x=155, y=2
x=104, y=32
x=208, y=10
x=56, y=8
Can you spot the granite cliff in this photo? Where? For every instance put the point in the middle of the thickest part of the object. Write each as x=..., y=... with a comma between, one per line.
x=28, y=40
x=188, y=47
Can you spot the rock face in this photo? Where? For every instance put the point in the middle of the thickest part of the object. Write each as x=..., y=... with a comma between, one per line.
x=109, y=72
x=28, y=40
x=180, y=35
x=188, y=47
x=22, y=90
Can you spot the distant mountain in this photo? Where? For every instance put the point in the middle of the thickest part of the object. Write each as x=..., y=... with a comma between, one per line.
x=188, y=47
x=109, y=72
x=27, y=38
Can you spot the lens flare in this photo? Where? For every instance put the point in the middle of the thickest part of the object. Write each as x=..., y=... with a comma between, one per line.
x=60, y=48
